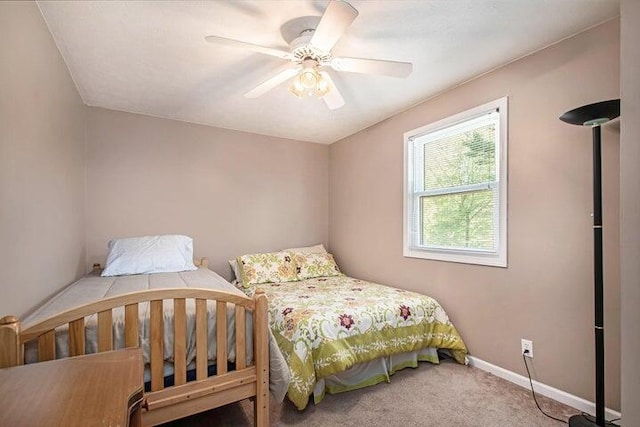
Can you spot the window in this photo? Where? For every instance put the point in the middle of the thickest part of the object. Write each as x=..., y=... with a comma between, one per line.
x=455, y=199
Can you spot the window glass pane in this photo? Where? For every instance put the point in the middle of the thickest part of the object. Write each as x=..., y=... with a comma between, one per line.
x=460, y=158
x=460, y=221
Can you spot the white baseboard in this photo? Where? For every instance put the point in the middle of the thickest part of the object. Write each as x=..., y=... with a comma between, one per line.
x=543, y=389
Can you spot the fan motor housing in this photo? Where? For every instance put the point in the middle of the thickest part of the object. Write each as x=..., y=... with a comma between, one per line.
x=301, y=49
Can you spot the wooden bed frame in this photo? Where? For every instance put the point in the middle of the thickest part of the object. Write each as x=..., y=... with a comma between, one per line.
x=163, y=404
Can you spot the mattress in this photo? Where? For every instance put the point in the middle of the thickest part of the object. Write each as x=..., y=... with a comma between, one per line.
x=93, y=287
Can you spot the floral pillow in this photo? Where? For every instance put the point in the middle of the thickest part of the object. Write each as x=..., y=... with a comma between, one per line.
x=267, y=268
x=316, y=249
x=315, y=265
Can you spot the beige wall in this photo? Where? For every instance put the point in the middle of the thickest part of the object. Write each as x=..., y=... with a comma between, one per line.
x=630, y=207
x=236, y=192
x=42, y=167
x=233, y=192
x=546, y=293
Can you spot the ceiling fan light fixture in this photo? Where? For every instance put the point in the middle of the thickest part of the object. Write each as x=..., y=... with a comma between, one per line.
x=296, y=88
x=323, y=87
x=309, y=78
x=309, y=82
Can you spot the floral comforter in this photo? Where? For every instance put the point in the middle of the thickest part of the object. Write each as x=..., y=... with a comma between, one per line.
x=326, y=325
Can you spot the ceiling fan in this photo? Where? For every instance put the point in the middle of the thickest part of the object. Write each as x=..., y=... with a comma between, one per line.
x=310, y=55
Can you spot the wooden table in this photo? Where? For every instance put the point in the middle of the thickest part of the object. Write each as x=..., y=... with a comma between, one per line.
x=103, y=389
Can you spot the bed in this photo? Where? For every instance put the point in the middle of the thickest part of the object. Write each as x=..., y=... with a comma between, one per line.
x=339, y=333
x=205, y=343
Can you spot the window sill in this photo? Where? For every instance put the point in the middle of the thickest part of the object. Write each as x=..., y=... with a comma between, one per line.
x=490, y=260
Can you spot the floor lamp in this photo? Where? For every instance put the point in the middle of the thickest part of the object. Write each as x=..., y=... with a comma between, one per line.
x=595, y=115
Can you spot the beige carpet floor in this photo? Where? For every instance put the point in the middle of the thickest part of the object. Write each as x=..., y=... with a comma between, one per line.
x=430, y=395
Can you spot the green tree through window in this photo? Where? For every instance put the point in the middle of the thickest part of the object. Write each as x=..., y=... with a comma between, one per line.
x=464, y=217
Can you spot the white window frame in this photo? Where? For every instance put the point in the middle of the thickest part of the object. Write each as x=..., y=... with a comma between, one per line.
x=497, y=258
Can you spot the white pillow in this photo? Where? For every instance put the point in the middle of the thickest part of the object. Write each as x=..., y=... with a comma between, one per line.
x=315, y=249
x=149, y=254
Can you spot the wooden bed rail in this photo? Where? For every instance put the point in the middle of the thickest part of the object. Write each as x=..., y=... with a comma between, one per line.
x=10, y=354
x=184, y=398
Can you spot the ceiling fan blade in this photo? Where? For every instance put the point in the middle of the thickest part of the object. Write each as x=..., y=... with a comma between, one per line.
x=333, y=99
x=372, y=66
x=223, y=41
x=338, y=16
x=284, y=74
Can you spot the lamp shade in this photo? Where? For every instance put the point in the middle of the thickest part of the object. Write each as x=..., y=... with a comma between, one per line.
x=593, y=114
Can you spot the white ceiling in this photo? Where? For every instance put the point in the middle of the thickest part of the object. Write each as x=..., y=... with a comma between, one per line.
x=151, y=57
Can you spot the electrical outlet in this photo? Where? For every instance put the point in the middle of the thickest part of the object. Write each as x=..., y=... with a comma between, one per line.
x=526, y=345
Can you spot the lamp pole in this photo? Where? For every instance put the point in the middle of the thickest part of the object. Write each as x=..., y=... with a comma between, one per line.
x=598, y=275
x=595, y=115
